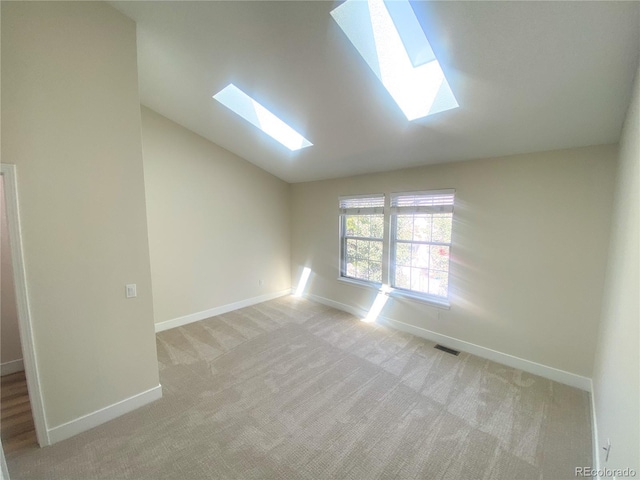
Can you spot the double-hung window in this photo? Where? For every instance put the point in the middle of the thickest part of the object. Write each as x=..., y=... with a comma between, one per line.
x=415, y=250
x=420, y=240
x=361, y=237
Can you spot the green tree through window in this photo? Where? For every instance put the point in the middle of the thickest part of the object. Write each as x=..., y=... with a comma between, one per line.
x=362, y=229
x=419, y=244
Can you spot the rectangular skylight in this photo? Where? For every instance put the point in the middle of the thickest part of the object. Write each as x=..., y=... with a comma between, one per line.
x=390, y=39
x=239, y=102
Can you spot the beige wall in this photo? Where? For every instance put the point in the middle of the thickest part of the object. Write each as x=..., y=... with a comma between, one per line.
x=528, y=258
x=10, y=349
x=616, y=377
x=217, y=224
x=71, y=124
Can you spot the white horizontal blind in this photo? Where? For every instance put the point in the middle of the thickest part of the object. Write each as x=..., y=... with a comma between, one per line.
x=434, y=201
x=362, y=205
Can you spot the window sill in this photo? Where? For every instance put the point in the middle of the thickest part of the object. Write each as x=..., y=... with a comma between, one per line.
x=404, y=295
x=360, y=283
x=399, y=294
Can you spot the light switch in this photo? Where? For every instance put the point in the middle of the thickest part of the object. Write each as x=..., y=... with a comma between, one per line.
x=131, y=290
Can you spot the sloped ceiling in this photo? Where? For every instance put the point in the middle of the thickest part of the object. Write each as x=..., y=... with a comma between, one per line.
x=529, y=76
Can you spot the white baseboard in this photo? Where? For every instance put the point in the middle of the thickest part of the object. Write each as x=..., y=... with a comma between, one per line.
x=545, y=371
x=212, y=312
x=357, y=312
x=7, y=368
x=91, y=420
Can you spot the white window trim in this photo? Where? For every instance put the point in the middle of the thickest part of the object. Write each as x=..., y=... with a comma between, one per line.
x=342, y=267
x=388, y=263
x=360, y=283
x=432, y=300
x=398, y=293
x=394, y=212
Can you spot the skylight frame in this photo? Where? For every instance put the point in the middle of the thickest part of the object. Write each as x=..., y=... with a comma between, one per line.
x=390, y=39
x=261, y=117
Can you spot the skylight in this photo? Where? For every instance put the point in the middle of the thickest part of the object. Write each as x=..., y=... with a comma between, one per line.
x=390, y=39
x=239, y=102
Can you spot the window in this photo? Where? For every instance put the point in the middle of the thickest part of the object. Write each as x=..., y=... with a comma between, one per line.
x=421, y=242
x=418, y=245
x=361, y=237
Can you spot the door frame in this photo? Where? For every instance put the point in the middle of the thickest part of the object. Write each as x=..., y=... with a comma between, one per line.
x=4, y=471
x=30, y=358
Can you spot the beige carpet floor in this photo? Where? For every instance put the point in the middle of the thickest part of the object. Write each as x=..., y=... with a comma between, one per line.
x=295, y=390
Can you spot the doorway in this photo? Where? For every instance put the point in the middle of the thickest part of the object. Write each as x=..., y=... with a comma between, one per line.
x=22, y=414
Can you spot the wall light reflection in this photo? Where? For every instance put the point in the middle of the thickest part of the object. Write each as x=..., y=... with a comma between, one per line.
x=302, y=283
x=378, y=304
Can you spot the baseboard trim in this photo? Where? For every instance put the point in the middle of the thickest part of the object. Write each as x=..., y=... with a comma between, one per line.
x=212, y=312
x=561, y=376
x=357, y=312
x=7, y=368
x=568, y=378
x=594, y=433
x=91, y=420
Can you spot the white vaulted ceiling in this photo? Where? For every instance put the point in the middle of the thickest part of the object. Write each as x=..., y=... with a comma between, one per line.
x=529, y=76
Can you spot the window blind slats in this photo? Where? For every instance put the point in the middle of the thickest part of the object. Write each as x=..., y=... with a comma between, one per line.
x=436, y=201
x=362, y=211
x=362, y=205
x=422, y=209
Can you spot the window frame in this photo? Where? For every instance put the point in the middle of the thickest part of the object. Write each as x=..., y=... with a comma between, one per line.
x=396, y=211
x=344, y=212
x=389, y=245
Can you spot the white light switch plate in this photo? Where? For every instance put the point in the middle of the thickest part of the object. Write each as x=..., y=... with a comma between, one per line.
x=131, y=290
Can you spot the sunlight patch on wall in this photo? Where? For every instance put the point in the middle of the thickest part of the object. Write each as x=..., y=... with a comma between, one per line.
x=378, y=304
x=302, y=283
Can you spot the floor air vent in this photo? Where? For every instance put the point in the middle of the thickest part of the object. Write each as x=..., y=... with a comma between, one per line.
x=448, y=350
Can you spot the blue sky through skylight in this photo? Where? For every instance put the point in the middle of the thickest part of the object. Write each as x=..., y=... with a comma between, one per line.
x=391, y=40
x=239, y=102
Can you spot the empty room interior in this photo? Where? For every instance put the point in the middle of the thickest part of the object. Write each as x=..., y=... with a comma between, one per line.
x=359, y=239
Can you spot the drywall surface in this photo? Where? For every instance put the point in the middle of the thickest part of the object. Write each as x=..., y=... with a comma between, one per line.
x=10, y=349
x=71, y=125
x=219, y=227
x=616, y=376
x=528, y=257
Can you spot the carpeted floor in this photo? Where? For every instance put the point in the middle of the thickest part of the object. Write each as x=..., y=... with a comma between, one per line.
x=295, y=390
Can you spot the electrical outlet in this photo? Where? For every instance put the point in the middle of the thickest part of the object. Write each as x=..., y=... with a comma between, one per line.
x=130, y=290
x=260, y=282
